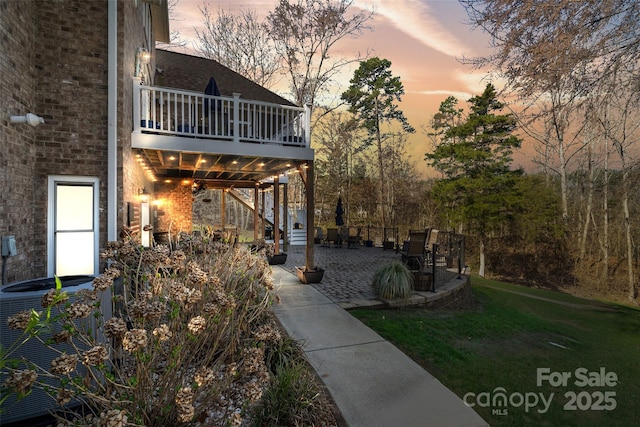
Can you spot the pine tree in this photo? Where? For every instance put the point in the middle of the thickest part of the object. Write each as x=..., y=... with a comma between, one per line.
x=478, y=190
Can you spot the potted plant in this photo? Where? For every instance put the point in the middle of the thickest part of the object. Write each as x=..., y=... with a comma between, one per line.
x=393, y=281
x=277, y=259
x=368, y=243
x=269, y=252
x=307, y=276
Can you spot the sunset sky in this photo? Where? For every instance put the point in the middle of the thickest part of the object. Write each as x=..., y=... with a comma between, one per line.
x=423, y=39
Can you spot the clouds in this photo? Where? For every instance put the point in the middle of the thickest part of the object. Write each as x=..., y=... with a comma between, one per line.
x=442, y=93
x=423, y=20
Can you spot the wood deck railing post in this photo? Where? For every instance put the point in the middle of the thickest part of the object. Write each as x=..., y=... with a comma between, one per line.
x=276, y=213
x=309, y=261
x=256, y=214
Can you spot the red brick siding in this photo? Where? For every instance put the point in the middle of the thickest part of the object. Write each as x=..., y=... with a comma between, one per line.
x=173, y=208
x=17, y=150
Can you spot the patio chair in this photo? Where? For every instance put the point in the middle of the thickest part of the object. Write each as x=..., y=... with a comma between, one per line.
x=332, y=236
x=413, y=253
x=431, y=240
x=343, y=235
x=355, y=241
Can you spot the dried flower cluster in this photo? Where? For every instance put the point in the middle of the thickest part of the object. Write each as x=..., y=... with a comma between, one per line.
x=135, y=340
x=64, y=364
x=115, y=328
x=162, y=333
x=267, y=332
x=20, y=320
x=95, y=356
x=113, y=418
x=184, y=401
x=267, y=249
x=53, y=297
x=78, y=310
x=21, y=381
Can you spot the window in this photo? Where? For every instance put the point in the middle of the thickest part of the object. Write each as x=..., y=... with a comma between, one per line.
x=73, y=225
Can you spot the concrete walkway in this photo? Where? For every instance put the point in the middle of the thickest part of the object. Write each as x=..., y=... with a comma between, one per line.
x=372, y=382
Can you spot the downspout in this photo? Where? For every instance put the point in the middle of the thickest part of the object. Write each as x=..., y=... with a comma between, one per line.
x=112, y=127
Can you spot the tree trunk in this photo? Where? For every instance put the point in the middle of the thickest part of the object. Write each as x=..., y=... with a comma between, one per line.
x=605, y=215
x=481, y=268
x=563, y=179
x=589, y=207
x=383, y=217
x=627, y=223
x=627, y=226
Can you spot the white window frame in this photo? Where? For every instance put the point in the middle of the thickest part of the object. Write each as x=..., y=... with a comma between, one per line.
x=53, y=181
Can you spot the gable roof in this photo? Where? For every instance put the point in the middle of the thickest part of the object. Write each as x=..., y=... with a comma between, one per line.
x=187, y=72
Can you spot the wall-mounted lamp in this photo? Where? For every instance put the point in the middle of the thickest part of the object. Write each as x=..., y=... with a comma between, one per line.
x=143, y=56
x=29, y=118
x=144, y=196
x=197, y=187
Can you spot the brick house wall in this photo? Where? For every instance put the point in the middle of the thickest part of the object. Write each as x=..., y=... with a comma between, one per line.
x=54, y=63
x=71, y=73
x=131, y=178
x=17, y=143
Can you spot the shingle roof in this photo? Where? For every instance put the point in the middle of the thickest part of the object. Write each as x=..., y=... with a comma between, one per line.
x=181, y=71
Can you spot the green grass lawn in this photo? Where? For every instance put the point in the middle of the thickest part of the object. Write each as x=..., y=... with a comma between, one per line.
x=511, y=333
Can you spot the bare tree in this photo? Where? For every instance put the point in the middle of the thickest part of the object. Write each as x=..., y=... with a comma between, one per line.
x=305, y=31
x=553, y=124
x=559, y=51
x=618, y=117
x=536, y=39
x=241, y=42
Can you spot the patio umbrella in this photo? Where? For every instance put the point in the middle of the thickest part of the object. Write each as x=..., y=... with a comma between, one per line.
x=339, y=212
x=213, y=90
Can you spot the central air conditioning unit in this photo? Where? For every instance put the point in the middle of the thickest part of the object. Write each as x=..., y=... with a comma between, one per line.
x=27, y=295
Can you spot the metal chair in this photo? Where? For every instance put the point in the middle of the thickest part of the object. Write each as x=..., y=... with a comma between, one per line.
x=413, y=253
x=354, y=241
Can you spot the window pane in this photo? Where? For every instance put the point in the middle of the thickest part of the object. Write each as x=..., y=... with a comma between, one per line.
x=74, y=207
x=74, y=253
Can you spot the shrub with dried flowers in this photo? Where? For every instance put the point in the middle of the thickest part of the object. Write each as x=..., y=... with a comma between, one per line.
x=261, y=246
x=185, y=344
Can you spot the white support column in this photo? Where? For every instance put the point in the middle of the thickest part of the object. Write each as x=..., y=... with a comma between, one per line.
x=137, y=116
x=307, y=126
x=236, y=117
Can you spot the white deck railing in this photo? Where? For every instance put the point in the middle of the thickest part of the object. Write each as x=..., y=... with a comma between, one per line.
x=174, y=112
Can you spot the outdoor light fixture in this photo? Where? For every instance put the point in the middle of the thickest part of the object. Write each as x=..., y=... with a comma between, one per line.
x=197, y=187
x=142, y=57
x=144, y=196
x=29, y=118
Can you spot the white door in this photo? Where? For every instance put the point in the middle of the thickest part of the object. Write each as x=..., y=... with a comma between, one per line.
x=73, y=225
